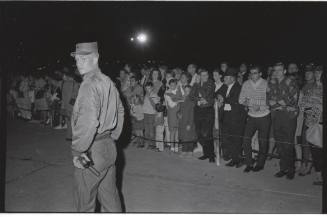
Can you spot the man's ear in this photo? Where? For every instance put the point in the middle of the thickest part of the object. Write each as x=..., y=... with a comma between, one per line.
x=284, y=72
x=95, y=58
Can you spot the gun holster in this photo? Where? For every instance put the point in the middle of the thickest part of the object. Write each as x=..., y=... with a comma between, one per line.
x=85, y=162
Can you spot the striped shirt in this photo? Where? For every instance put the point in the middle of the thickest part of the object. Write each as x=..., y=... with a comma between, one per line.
x=256, y=93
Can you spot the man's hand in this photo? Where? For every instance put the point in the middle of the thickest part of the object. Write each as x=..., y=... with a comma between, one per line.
x=282, y=102
x=54, y=97
x=203, y=101
x=220, y=99
x=188, y=127
x=272, y=102
x=255, y=108
x=77, y=164
x=246, y=102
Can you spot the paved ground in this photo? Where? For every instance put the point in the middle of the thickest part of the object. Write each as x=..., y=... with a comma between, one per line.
x=39, y=179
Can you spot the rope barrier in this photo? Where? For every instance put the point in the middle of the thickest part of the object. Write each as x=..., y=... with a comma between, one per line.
x=215, y=138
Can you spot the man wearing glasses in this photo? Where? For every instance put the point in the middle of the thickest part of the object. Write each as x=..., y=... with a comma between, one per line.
x=97, y=121
x=253, y=96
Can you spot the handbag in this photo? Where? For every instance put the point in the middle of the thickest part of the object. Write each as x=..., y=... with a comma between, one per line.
x=314, y=135
x=159, y=107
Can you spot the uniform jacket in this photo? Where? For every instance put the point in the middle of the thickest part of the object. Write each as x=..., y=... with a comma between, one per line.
x=98, y=110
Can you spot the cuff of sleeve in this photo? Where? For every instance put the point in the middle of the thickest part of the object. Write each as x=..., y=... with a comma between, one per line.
x=75, y=153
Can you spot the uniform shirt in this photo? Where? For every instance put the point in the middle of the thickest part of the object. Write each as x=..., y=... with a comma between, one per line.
x=98, y=110
x=286, y=90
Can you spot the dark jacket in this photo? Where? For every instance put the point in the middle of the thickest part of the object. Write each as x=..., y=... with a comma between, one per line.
x=238, y=112
x=207, y=91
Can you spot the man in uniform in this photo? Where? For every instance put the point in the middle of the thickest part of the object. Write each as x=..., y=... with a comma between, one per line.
x=97, y=121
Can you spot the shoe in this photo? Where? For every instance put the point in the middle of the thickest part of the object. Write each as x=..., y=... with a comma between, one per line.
x=239, y=164
x=227, y=158
x=212, y=160
x=290, y=175
x=59, y=127
x=151, y=147
x=156, y=150
x=280, y=174
x=203, y=157
x=231, y=164
x=248, y=169
x=257, y=168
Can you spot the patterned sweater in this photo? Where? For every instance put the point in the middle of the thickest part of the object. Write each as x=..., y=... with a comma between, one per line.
x=282, y=92
x=311, y=103
x=256, y=93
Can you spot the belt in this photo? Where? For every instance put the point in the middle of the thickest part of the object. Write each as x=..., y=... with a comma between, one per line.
x=103, y=135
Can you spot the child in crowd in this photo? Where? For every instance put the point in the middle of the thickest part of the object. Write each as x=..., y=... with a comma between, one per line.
x=150, y=99
x=137, y=120
x=173, y=97
x=186, y=130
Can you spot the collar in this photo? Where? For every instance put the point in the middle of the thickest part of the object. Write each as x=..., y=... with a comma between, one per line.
x=231, y=85
x=284, y=79
x=256, y=83
x=90, y=73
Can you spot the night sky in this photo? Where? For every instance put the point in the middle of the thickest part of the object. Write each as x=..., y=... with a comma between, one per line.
x=180, y=32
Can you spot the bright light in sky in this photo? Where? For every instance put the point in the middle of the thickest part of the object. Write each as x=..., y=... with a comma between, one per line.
x=142, y=38
x=132, y=39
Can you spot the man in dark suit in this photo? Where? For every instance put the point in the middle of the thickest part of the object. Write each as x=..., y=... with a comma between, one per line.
x=234, y=117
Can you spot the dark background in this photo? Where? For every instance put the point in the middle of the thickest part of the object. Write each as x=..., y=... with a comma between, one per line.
x=35, y=34
x=180, y=32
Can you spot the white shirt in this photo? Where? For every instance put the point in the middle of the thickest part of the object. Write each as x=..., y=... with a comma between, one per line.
x=228, y=107
x=229, y=88
x=218, y=86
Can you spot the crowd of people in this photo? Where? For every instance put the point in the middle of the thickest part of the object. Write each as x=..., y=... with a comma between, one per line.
x=45, y=98
x=244, y=115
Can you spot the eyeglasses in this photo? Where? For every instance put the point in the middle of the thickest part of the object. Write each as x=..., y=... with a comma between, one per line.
x=82, y=58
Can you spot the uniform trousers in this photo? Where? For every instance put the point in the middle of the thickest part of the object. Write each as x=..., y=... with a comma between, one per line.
x=88, y=187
